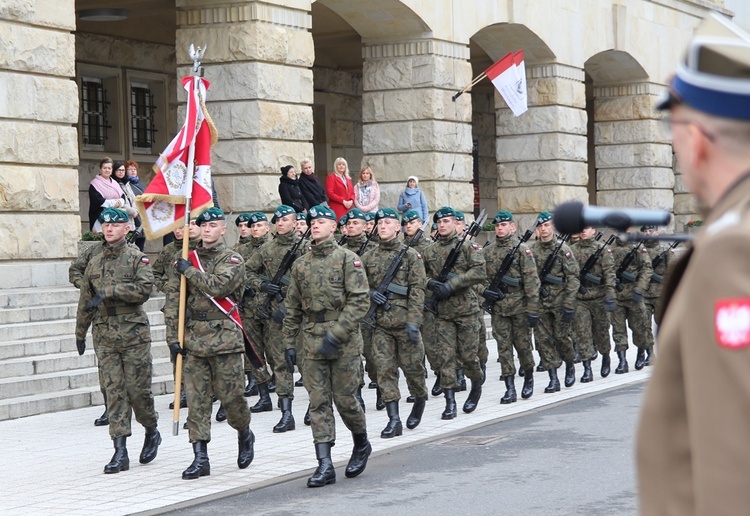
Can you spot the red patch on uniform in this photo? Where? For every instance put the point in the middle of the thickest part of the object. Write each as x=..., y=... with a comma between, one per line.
x=732, y=323
x=357, y=263
x=528, y=251
x=609, y=251
x=145, y=259
x=645, y=250
x=419, y=256
x=567, y=255
x=475, y=246
x=234, y=259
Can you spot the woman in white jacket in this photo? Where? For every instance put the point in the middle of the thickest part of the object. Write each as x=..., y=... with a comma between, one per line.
x=366, y=191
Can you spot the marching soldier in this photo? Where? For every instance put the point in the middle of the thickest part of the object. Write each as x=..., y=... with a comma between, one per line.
x=328, y=295
x=213, y=343
x=116, y=283
x=661, y=256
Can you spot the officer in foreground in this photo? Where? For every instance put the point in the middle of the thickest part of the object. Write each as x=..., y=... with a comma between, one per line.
x=693, y=453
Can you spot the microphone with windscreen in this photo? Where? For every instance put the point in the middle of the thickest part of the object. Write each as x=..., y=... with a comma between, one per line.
x=571, y=217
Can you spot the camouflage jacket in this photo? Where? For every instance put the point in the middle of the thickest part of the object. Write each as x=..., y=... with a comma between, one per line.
x=604, y=268
x=423, y=243
x=247, y=250
x=78, y=266
x=639, y=268
x=525, y=296
x=406, y=291
x=163, y=264
x=564, y=268
x=328, y=292
x=122, y=274
x=223, y=276
x=468, y=271
x=354, y=244
x=659, y=273
x=265, y=262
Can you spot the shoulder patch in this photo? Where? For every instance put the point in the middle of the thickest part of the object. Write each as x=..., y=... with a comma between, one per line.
x=732, y=323
x=645, y=250
x=144, y=259
x=609, y=251
x=419, y=255
x=567, y=255
x=475, y=246
x=234, y=259
x=528, y=251
x=357, y=263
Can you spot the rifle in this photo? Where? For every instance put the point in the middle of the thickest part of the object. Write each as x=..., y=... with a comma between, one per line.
x=658, y=278
x=499, y=282
x=279, y=277
x=450, y=261
x=586, y=277
x=133, y=235
x=622, y=270
x=545, y=277
x=370, y=236
x=343, y=240
x=386, y=287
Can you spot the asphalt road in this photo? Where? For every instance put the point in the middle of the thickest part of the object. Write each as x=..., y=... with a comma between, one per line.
x=574, y=458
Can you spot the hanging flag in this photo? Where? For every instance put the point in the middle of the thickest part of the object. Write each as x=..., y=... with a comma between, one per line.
x=162, y=204
x=508, y=75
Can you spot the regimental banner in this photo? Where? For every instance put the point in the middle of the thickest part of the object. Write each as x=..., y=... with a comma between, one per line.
x=508, y=75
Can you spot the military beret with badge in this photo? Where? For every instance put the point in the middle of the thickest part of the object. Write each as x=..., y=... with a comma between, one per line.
x=113, y=216
x=543, y=217
x=503, y=216
x=410, y=215
x=320, y=212
x=258, y=216
x=243, y=217
x=445, y=211
x=210, y=215
x=282, y=211
x=386, y=213
x=355, y=213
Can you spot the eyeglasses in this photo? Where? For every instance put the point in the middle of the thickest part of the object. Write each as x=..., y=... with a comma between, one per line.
x=667, y=123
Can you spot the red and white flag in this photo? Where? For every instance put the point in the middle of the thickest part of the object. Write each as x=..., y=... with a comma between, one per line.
x=508, y=75
x=162, y=204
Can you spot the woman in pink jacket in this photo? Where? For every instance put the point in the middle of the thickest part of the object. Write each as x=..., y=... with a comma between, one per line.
x=339, y=188
x=366, y=192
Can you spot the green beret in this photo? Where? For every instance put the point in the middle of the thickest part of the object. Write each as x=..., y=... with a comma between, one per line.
x=370, y=215
x=282, y=211
x=355, y=213
x=434, y=226
x=210, y=215
x=342, y=220
x=503, y=216
x=258, y=216
x=386, y=213
x=410, y=215
x=460, y=215
x=543, y=217
x=301, y=216
x=320, y=212
x=445, y=211
x=243, y=217
x=114, y=216
x=647, y=227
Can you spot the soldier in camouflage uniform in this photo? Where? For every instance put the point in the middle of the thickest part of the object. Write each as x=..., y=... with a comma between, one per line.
x=630, y=287
x=653, y=291
x=596, y=300
x=558, y=306
x=396, y=340
x=515, y=307
x=115, y=284
x=301, y=230
x=213, y=344
x=327, y=297
x=456, y=305
x=243, y=227
x=261, y=269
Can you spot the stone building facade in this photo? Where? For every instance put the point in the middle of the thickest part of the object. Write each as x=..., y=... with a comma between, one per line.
x=369, y=80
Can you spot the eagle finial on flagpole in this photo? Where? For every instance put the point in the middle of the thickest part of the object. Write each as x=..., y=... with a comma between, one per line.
x=196, y=56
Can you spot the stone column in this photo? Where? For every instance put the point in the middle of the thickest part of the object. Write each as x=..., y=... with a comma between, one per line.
x=633, y=155
x=541, y=155
x=39, y=220
x=410, y=124
x=258, y=60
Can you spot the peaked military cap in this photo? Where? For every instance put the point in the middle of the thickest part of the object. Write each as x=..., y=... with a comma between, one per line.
x=386, y=213
x=410, y=215
x=543, y=217
x=445, y=211
x=320, y=212
x=114, y=216
x=282, y=211
x=355, y=213
x=503, y=216
x=209, y=215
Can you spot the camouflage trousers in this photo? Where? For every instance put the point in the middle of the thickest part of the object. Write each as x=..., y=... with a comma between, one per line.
x=512, y=332
x=456, y=344
x=222, y=375
x=125, y=375
x=257, y=330
x=370, y=365
x=481, y=332
x=591, y=329
x=649, y=309
x=392, y=349
x=334, y=381
x=427, y=330
x=633, y=314
x=553, y=341
x=274, y=348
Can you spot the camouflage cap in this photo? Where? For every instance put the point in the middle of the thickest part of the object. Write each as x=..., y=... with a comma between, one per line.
x=258, y=216
x=243, y=217
x=370, y=216
x=445, y=211
x=503, y=216
x=113, y=216
x=410, y=215
x=386, y=213
x=282, y=211
x=543, y=217
x=320, y=212
x=301, y=216
x=355, y=213
x=209, y=215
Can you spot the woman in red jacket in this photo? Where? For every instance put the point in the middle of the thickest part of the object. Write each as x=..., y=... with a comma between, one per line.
x=340, y=189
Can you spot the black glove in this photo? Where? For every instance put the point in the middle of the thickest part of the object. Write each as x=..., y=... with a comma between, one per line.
x=533, y=319
x=412, y=331
x=279, y=314
x=329, y=345
x=378, y=298
x=290, y=356
x=492, y=296
x=182, y=265
x=610, y=305
x=270, y=288
x=81, y=345
x=637, y=296
x=95, y=301
x=567, y=315
x=441, y=290
x=174, y=349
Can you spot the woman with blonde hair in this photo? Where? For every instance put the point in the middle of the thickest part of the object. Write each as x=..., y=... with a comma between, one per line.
x=366, y=191
x=339, y=188
x=312, y=190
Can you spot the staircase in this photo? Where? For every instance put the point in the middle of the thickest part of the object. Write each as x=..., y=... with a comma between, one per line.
x=40, y=369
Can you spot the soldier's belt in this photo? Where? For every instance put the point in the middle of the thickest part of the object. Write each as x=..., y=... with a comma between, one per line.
x=320, y=317
x=399, y=290
x=628, y=277
x=111, y=311
x=553, y=280
x=512, y=282
x=205, y=316
x=593, y=278
x=657, y=278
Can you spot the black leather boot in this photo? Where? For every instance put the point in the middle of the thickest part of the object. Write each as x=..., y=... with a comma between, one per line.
x=183, y=399
x=360, y=399
x=103, y=420
x=436, y=389
x=286, y=422
x=221, y=414
x=394, y=428
x=510, y=390
x=460, y=380
x=640, y=359
x=252, y=387
x=307, y=420
x=325, y=473
x=521, y=371
x=200, y=466
x=576, y=356
x=484, y=373
x=360, y=453
x=540, y=368
x=246, y=441
x=410, y=399
x=554, y=383
x=570, y=374
x=272, y=384
x=649, y=356
x=415, y=417
x=471, y=402
x=605, y=365
x=588, y=376
x=379, y=403
x=372, y=385
x=120, y=460
x=622, y=367
x=150, y=445
x=264, y=403
x=450, y=404
x=528, y=385
x=596, y=355
x=300, y=382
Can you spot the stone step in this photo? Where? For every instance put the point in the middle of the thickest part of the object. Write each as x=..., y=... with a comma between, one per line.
x=58, y=311
x=35, y=296
x=20, y=331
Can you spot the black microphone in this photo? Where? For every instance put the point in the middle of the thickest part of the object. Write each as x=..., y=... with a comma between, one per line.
x=572, y=217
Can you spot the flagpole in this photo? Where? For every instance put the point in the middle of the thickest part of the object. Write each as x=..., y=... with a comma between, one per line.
x=467, y=88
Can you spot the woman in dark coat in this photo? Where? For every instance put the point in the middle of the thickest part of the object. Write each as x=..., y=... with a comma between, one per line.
x=312, y=190
x=289, y=190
